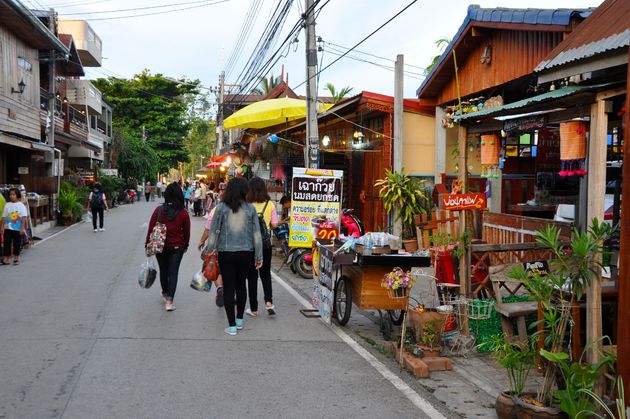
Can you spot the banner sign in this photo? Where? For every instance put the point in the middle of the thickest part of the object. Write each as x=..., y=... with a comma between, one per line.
x=324, y=281
x=460, y=202
x=529, y=123
x=315, y=206
x=109, y=172
x=539, y=267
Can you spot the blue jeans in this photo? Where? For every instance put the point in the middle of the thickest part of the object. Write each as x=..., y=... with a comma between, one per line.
x=169, y=261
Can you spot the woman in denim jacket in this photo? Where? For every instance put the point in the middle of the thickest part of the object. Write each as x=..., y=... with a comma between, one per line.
x=235, y=235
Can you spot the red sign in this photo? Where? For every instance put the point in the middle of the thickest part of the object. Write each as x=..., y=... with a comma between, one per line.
x=463, y=201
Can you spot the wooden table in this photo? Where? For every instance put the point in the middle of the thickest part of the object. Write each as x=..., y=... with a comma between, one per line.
x=39, y=210
x=538, y=211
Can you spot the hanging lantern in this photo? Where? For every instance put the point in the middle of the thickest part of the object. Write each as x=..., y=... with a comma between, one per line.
x=573, y=148
x=490, y=155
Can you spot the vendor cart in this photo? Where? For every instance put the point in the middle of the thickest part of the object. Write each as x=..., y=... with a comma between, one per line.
x=357, y=279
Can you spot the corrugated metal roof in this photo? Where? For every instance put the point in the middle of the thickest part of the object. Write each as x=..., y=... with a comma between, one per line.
x=607, y=29
x=553, y=94
x=505, y=15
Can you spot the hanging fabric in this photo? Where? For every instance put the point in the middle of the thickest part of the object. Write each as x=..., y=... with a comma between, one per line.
x=490, y=155
x=572, y=148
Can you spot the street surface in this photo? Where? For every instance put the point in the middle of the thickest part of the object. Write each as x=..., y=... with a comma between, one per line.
x=80, y=339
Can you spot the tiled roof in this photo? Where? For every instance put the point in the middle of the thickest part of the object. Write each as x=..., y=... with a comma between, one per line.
x=607, y=29
x=506, y=16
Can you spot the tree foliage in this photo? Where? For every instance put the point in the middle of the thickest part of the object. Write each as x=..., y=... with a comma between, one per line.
x=266, y=84
x=199, y=144
x=163, y=106
x=337, y=95
x=441, y=44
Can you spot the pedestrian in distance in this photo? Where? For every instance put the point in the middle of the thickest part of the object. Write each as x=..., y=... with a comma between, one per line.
x=196, y=198
x=177, y=222
x=285, y=203
x=147, y=190
x=163, y=189
x=13, y=226
x=158, y=187
x=97, y=204
x=267, y=221
x=187, y=193
x=235, y=235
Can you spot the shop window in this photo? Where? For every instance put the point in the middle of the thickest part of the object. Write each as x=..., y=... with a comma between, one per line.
x=522, y=145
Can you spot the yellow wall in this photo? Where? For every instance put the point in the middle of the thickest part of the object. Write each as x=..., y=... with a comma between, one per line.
x=419, y=144
x=474, y=156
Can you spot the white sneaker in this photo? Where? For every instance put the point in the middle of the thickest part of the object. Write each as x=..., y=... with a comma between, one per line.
x=169, y=307
x=101, y=229
x=95, y=230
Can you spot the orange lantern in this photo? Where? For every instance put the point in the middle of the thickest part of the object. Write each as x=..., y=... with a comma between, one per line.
x=573, y=148
x=490, y=155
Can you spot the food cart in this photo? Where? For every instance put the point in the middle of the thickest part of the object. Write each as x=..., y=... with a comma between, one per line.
x=356, y=278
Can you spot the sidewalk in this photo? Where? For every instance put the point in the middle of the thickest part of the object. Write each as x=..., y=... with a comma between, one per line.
x=469, y=390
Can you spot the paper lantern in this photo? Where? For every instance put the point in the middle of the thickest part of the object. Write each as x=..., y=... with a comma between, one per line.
x=490, y=155
x=573, y=148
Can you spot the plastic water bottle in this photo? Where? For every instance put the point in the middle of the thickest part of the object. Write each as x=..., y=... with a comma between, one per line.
x=370, y=244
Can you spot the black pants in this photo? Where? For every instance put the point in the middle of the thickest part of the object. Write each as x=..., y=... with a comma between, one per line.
x=12, y=239
x=147, y=195
x=265, y=278
x=197, y=207
x=169, y=261
x=100, y=212
x=234, y=267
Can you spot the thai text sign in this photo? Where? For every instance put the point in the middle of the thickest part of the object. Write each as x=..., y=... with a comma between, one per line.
x=324, y=281
x=539, y=267
x=315, y=206
x=466, y=201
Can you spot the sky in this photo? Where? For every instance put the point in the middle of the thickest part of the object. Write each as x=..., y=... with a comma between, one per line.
x=196, y=43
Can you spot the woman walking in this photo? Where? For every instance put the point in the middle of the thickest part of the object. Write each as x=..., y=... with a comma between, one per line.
x=177, y=222
x=235, y=235
x=187, y=193
x=265, y=209
x=97, y=204
x=13, y=226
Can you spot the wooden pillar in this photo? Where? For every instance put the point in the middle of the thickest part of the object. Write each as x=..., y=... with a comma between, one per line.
x=623, y=311
x=462, y=162
x=596, y=184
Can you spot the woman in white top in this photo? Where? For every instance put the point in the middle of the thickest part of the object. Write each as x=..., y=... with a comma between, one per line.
x=13, y=226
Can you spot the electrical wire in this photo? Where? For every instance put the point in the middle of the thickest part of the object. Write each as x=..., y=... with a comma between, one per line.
x=162, y=6
x=157, y=13
x=373, y=55
x=77, y=3
x=389, y=68
x=362, y=41
x=243, y=37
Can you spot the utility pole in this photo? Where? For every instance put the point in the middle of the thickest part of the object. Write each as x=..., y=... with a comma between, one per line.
x=220, y=113
x=398, y=125
x=52, y=84
x=311, y=150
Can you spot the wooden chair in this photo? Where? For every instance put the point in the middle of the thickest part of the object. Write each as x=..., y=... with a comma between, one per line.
x=512, y=311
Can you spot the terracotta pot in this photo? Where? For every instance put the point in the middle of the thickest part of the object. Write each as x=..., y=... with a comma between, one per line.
x=411, y=246
x=504, y=406
x=430, y=352
x=525, y=410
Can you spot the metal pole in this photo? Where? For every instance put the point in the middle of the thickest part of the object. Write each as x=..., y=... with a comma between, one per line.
x=311, y=151
x=52, y=103
x=398, y=127
x=220, y=113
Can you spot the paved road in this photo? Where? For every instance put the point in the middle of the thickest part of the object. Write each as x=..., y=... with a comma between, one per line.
x=80, y=339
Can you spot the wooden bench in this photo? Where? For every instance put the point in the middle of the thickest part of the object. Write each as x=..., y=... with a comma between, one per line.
x=512, y=311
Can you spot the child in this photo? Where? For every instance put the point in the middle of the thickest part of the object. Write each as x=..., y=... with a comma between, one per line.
x=13, y=226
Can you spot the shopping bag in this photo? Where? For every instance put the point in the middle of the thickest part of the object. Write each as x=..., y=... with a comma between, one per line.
x=148, y=273
x=210, y=266
x=200, y=283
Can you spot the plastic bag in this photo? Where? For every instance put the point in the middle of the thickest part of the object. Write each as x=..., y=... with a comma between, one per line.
x=148, y=273
x=200, y=283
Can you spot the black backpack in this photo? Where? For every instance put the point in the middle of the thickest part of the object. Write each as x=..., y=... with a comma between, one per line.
x=97, y=200
x=264, y=231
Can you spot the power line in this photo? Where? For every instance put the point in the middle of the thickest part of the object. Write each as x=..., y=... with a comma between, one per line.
x=373, y=55
x=406, y=72
x=362, y=41
x=157, y=13
x=137, y=8
x=78, y=3
x=246, y=29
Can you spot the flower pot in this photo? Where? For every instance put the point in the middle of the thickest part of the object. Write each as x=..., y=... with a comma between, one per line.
x=411, y=246
x=526, y=410
x=429, y=352
x=504, y=406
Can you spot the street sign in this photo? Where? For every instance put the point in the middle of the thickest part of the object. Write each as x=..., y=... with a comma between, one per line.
x=460, y=202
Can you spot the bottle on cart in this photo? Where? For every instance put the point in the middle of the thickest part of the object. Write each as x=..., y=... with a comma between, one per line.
x=370, y=245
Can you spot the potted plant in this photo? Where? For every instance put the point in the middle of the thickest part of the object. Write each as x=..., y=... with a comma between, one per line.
x=69, y=206
x=398, y=283
x=403, y=193
x=430, y=339
x=518, y=358
x=573, y=267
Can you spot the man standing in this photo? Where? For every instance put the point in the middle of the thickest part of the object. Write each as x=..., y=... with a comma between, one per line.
x=147, y=190
x=97, y=202
x=163, y=188
x=159, y=188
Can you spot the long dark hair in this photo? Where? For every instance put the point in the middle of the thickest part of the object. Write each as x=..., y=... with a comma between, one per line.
x=257, y=190
x=235, y=193
x=174, y=196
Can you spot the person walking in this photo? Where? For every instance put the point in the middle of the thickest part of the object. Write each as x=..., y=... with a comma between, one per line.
x=187, y=193
x=13, y=226
x=177, y=221
x=196, y=197
x=259, y=198
x=97, y=204
x=147, y=190
x=163, y=189
x=158, y=187
x=235, y=235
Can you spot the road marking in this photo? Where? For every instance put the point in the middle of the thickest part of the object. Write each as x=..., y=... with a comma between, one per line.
x=420, y=402
x=57, y=233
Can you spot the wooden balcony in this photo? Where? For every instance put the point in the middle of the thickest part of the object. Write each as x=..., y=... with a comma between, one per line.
x=67, y=119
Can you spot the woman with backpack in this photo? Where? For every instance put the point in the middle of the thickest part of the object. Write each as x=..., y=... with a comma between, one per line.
x=175, y=217
x=235, y=235
x=97, y=203
x=267, y=221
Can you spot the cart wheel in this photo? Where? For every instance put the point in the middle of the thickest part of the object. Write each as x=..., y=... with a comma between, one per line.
x=343, y=300
x=386, y=327
x=396, y=316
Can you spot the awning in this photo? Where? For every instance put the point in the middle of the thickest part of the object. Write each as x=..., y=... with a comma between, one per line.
x=221, y=158
x=16, y=141
x=518, y=106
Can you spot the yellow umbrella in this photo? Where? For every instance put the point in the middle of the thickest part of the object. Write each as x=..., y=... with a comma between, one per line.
x=267, y=113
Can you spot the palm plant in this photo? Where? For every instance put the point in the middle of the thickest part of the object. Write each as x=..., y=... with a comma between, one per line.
x=441, y=45
x=266, y=84
x=337, y=95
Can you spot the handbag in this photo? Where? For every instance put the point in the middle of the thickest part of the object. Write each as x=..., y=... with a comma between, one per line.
x=210, y=267
x=157, y=237
x=148, y=273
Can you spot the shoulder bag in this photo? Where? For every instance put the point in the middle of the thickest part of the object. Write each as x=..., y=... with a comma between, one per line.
x=157, y=237
x=210, y=267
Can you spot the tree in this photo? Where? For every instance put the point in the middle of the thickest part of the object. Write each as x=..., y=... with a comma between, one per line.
x=338, y=95
x=267, y=85
x=199, y=143
x=159, y=104
x=441, y=44
x=134, y=157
